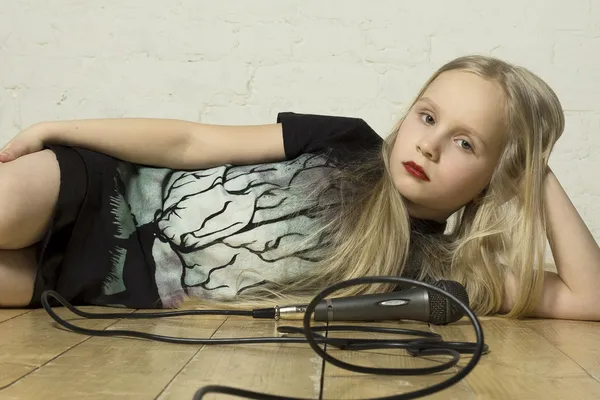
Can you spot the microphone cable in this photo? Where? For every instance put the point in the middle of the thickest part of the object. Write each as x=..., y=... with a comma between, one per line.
x=429, y=344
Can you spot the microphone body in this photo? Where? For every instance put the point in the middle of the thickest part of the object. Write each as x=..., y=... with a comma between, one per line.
x=408, y=304
x=415, y=304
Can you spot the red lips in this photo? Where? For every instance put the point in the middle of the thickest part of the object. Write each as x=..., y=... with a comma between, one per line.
x=416, y=170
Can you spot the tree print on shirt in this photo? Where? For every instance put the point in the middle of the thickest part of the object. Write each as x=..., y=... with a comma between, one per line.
x=219, y=231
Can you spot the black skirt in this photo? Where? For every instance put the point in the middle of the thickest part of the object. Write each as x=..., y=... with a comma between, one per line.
x=75, y=256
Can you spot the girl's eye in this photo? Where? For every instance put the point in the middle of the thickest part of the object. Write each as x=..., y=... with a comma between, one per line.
x=427, y=118
x=465, y=145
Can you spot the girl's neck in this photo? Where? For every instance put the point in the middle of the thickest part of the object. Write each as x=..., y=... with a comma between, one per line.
x=418, y=212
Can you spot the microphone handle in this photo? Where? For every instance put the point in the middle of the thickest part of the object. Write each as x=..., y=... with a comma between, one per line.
x=412, y=304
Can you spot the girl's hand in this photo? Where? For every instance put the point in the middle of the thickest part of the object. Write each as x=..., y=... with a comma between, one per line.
x=27, y=141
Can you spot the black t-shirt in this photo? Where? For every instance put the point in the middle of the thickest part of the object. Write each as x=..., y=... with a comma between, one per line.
x=139, y=236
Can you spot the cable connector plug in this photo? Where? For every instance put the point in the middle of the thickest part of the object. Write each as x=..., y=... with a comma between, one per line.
x=265, y=313
x=277, y=313
x=290, y=312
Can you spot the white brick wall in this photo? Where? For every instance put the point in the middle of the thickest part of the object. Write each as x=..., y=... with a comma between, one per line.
x=241, y=62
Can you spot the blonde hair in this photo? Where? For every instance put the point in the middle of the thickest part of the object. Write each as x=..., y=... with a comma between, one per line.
x=369, y=232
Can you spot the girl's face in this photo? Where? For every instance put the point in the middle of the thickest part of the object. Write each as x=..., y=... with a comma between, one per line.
x=455, y=133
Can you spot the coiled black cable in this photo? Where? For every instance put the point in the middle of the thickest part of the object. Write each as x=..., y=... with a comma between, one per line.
x=429, y=344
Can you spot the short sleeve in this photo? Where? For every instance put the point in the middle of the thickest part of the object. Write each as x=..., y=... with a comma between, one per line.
x=339, y=137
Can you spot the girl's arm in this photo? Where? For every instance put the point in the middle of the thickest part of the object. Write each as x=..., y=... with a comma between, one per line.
x=573, y=293
x=163, y=142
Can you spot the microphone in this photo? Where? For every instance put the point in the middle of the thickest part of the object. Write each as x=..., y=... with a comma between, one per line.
x=415, y=303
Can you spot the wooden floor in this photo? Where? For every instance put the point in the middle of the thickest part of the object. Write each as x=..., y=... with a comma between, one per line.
x=531, y=359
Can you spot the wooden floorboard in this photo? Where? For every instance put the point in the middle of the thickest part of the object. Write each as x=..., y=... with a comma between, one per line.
x=528, y=359
x=343, y=384
x=116, y=367
x=6, y=315
x=523, y=364
x=30, y=340
x=577, y=340
x=278, y=369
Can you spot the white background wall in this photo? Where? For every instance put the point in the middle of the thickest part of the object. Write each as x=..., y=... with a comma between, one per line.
x=242, y=62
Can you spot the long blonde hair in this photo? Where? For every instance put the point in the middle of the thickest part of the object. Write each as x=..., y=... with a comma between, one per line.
x=370, y=233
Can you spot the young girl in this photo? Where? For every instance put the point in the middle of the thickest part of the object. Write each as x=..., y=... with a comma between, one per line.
x=148, y=213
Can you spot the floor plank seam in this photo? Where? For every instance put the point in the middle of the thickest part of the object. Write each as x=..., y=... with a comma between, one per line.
x=16, y=316
x=462, y=382
x=188, y=361
x=50, y=360
x=579, y=365
x=541, y=334
x=323, y=362
x=47, y=362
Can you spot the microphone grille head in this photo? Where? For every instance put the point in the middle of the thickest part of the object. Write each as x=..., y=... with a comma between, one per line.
x=442, y=310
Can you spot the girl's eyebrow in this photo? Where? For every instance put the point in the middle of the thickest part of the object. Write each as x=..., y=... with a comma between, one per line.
x=467, y=128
